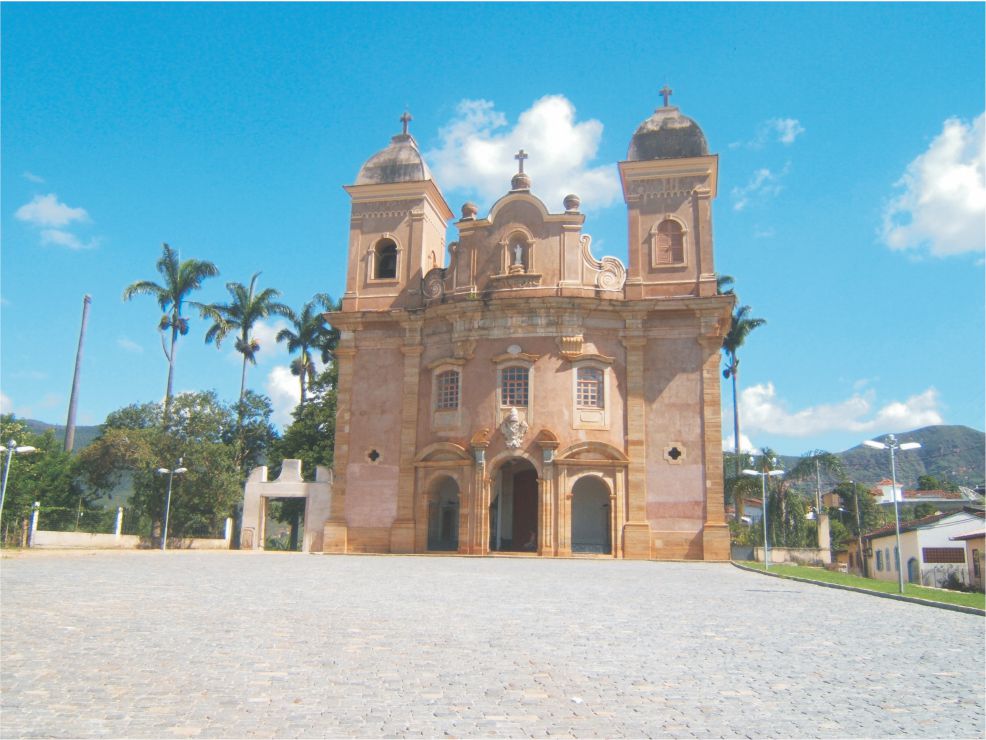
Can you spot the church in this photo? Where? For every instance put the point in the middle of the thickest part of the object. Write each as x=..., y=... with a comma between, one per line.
x=510, y=392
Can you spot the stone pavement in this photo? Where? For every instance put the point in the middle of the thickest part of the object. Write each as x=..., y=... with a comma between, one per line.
x=215, y=644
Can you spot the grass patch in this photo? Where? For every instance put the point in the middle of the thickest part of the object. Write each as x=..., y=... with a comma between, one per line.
x=976, y=600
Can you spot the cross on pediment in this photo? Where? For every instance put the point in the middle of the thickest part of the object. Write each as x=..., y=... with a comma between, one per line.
x=520, y=157
x=405, y=119
x=665, y=92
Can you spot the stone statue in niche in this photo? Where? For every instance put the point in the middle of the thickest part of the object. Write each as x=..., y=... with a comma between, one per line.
x=517, y=265
x=514, y=428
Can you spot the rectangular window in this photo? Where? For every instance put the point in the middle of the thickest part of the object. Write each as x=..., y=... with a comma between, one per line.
x=447, y=391
x=943, y=554
x=589, y=388
x=879, y=560
x=513, y=386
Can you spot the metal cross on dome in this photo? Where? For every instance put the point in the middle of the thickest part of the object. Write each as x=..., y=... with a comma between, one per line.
x=520, y=157
x=665, y=92
x=406, y=119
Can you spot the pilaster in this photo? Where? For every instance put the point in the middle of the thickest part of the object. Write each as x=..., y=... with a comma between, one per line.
x=402, y=531
x=715, y=532
x=636, y=531
x=335, y=530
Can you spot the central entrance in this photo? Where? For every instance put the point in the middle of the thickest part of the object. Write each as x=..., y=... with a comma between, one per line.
x=514, y=508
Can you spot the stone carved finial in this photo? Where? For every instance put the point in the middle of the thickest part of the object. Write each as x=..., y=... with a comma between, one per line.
x=514, y=428
x=469, y=210
x=572, y=202
x=520, y=181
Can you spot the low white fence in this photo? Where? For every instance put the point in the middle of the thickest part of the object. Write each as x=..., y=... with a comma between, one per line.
x=118, y=540
x=796, y=555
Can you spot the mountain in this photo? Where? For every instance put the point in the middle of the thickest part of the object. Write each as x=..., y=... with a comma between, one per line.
x=953, y=454
x=83, y=434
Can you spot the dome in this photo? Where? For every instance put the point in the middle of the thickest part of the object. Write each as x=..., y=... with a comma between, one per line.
x=399, y=162
x=667, y=135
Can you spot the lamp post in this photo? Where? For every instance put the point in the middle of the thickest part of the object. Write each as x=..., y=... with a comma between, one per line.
x=11, y=449
x=892, y=445
x=763, y=487
x=171, y=473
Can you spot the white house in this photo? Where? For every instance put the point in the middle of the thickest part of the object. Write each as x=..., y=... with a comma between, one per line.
x=929, y=554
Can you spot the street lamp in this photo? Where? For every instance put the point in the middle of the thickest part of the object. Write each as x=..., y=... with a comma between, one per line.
x=11, y=449
x=171, y=473
x=892, y=445
x=763, y=480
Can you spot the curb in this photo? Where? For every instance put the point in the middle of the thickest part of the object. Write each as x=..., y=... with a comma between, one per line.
x=881, y=594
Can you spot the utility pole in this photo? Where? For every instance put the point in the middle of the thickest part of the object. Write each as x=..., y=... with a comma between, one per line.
x=74, y=399
x=859, y=531
x=818, y=504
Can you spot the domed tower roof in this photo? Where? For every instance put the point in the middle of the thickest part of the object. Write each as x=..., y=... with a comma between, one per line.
x=667, y=134
x=401, y=161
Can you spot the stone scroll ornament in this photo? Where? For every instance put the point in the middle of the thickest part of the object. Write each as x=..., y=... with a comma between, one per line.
x=610, y=272
x=434, y=283
x=514, y=428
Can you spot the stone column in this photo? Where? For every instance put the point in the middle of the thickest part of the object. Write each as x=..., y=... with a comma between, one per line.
x=335, y=531
x=636, y=531
x=715, y=532
x=547, y=536
x=402, y=531
x=479, y=529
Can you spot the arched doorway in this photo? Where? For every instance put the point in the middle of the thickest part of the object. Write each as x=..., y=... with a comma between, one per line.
x=514, y=508
x=591, y=516
x=913, y=571
x=443, y=516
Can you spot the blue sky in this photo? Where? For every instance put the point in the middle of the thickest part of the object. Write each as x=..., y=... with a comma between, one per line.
x=850, y=207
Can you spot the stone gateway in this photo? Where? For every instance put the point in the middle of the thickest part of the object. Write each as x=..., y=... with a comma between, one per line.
x=510, y=392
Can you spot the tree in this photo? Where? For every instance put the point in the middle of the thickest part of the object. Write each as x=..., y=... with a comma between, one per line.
x=722, y=282
x=240, y=315
x=811, y=467
x=310, y=333
x=132, y=443
x=180, y=279
x=741, y=326
x=46, y=476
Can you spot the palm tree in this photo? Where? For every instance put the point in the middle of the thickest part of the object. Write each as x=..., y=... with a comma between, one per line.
x=310, y=333
x=180, y=279
x=722, y=281
x=239, y=315
x=741, y=326
x=812, y=465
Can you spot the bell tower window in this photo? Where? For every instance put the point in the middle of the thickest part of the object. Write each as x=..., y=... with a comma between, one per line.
x=385, y=260
x=668, y=244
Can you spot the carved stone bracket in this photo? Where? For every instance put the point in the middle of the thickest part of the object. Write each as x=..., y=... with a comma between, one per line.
x=433, y=285
x=610, y=272
x=513, y=428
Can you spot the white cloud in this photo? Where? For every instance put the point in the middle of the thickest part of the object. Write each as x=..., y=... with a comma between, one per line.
x=6, y=405
x=285, y=393
x=943, y=203
x=478, y=146
x=745, y=444
x=780, y=130
x=129, y=345
x=266, y=334
x=31, y=177
x=763, y=184
x=62, y=238
x=47, y=210
x=762, y=411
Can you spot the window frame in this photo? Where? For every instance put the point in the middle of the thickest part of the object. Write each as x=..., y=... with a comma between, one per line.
x=501, y=385
x=374, y=261
x=442, y=394
x=655, y=244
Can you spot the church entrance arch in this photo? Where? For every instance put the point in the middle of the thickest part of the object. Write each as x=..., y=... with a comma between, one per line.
x=591, y=516
x=514, y=508
x=443, y=516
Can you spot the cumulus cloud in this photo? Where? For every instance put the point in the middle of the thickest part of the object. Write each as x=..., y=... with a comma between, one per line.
x=745, y=444
x=265, y=332
x=62, y=238
x=31, y=177
x=129, y=345
x=943, y=203
x=47, y=210
x=478, y=146
x=285, y=393
x=762, y=411
x=763, y=184
x=774, y=130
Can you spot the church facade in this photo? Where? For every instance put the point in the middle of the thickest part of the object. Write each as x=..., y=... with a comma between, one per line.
x=511, y=393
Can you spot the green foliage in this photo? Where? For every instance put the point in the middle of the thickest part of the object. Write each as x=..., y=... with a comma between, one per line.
x=311, y=436
x=839, y=534
x=871, y=515
x=198, y=434
x=310, y=333
x=47, y=476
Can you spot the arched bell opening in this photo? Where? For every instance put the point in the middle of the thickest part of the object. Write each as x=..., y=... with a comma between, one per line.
x=591, y=516
x=443, y=516
x=514, y=508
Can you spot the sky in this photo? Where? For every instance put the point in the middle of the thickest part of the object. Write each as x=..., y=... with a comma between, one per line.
x=850, y=208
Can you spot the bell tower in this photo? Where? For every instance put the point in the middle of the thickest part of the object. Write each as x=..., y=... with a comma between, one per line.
x=396, y=228
x=669, y=180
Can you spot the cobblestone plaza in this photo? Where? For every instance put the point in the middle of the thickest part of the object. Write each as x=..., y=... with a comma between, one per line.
x=186, y=644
